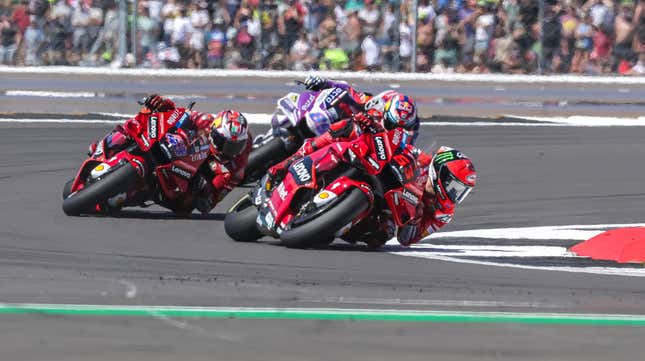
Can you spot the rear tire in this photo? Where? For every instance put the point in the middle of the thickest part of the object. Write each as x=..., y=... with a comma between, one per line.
x=323, y=228
x=240, y=222
x=261, y=159
x=87, y=198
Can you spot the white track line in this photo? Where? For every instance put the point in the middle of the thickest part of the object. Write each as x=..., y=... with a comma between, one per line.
x=290, y=75
x=587, y=121
x=260, y=118
x=50, y=94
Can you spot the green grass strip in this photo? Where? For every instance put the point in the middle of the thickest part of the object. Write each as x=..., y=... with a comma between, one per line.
x=327, y=314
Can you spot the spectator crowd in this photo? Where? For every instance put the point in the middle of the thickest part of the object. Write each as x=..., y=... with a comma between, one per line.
x=478, y=36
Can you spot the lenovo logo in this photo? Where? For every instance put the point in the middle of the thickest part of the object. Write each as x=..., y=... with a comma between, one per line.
x=380, y=148
x=180, y=172
x=152, y=128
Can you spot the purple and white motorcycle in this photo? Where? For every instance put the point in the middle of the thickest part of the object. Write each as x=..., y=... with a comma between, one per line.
x=296, y=118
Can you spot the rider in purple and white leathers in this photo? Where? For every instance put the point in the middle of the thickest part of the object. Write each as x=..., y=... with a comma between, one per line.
x=328, y=102
x=392, y=108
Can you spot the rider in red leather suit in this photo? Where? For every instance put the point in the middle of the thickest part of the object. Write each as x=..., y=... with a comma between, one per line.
x=230, y=146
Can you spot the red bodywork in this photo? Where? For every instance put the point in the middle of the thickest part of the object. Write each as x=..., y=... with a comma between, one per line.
x=373, y=154
x=144, y=131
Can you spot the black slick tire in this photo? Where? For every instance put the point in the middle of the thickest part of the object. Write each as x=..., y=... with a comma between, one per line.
x=114, y=182
x=240, y=222
x=324, y=226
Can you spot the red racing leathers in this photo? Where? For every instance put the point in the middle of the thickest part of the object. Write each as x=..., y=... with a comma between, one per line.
x=210, y=185
x=432, y=213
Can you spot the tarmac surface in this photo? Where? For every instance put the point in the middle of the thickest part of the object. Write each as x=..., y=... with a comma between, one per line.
x=117, y=93
x=528, y=176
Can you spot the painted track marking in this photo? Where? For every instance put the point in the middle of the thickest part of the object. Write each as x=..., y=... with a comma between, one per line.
x=326, y=314
x=470, y=252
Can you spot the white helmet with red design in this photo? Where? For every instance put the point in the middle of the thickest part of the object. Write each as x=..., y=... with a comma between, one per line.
x=452, y=175
x=229, y=133
x=396, y=110
x=376, y=105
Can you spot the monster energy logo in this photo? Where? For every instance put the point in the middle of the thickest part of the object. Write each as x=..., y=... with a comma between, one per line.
x=444, y=157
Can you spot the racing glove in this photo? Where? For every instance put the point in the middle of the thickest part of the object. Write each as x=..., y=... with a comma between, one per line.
x=367, y=124
x=157, y=103
x=314, y=82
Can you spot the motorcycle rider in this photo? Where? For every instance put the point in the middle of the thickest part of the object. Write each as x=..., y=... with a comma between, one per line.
x=230, y=145
x=446, y=178
x=350, y=128
x=393, y=108
x=354, y=101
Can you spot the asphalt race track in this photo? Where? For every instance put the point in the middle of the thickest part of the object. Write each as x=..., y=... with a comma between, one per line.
x=529, y=176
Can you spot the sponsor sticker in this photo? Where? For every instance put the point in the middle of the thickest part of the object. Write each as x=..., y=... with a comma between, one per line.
x=198, y=156
x=180, y=172
x=301, y=170
x=282, y=192
x=332, y=98
x=173, y=117
x=152, y=127
x=410, y=197
x=380, y=148
x=308, y=103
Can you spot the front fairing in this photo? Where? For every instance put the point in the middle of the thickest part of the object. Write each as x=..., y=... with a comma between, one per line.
x=275, y=210
x=148, y=129
x=287, y=112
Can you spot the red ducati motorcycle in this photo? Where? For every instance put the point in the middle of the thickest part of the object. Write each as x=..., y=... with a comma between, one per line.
x=323, y=195
x=139, y=172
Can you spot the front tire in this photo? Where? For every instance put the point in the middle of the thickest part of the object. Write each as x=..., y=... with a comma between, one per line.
x=84, y=200
x=324, y=226
x=67, y=188
x=240, y=222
